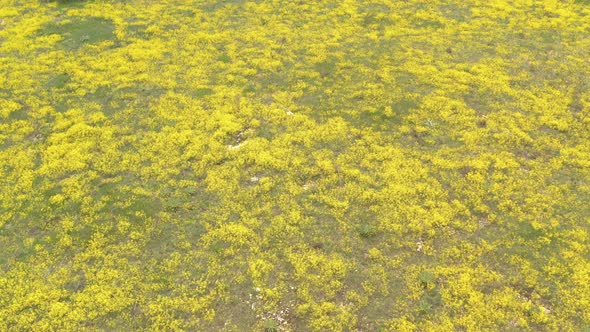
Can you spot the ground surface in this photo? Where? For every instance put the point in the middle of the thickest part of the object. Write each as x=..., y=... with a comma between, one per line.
x=295, y=165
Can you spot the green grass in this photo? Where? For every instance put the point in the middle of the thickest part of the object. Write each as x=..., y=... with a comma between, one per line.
x=80, y=32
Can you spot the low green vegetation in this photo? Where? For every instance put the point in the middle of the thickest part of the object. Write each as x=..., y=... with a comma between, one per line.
x=294, y=165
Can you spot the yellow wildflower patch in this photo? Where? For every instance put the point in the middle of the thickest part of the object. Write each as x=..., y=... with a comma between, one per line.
x=295, y=165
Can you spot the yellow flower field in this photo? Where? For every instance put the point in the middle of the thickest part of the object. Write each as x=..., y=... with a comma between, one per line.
x=290, y=165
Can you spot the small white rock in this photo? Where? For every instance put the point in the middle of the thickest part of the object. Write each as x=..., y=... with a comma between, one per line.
x=235, y=147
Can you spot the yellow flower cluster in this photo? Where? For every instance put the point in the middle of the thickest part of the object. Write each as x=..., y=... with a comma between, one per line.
x=184, y=165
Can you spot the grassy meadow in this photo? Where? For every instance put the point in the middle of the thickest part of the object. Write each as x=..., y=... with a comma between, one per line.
x=290, y=165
